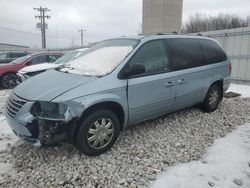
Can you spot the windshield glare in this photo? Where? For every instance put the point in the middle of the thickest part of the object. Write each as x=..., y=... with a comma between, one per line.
x=102, y=58
x=21, y=59
x=68, y=57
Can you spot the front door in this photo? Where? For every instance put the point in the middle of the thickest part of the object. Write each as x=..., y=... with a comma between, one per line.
x=152, y=93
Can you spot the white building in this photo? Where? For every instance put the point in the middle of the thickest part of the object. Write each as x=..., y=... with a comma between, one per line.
x=161, y=16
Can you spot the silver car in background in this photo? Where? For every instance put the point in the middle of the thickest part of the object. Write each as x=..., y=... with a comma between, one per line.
x=117, y=83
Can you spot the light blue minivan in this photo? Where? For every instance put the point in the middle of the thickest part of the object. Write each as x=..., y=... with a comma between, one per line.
x=117, y=83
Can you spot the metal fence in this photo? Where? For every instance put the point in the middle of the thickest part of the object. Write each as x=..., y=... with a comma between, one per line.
x=236, y=43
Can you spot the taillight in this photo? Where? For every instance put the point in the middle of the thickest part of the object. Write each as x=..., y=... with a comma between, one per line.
x=230, y=68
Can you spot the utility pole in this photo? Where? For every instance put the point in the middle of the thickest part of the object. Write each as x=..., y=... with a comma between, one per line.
x=42, y=25
x=81, y=31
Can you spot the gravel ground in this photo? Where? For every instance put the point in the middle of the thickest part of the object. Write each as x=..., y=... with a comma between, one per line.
x=140, y=154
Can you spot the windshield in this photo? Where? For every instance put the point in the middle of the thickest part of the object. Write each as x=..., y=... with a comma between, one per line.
x=69, y=56
x=21, y=59
x=102, y=58
x=3, y=56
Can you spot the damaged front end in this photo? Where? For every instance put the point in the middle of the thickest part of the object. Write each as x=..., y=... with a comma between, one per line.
x=42, y=122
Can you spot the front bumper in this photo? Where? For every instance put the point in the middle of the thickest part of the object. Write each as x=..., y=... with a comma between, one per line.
x=39, y=131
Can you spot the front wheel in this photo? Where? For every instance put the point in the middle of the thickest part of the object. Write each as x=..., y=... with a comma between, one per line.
x=98, y=132
x=212, y=99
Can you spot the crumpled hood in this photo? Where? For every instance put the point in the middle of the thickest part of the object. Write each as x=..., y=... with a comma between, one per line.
x=49, y=85
x=39, y=67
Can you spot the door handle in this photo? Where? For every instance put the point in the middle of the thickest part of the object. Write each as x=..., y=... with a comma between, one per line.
x=180, y=82
x=169, y=84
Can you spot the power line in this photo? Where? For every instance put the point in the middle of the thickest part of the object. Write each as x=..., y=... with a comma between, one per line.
x=25, y=32
x=30, y=33
x=42, y=24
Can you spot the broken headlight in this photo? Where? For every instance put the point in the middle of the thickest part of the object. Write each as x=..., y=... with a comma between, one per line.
x=49, y=110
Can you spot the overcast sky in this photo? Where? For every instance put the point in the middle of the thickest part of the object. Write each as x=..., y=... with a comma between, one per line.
x=101, y=18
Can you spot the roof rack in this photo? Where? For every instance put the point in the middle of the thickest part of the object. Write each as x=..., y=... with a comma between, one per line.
x=174, y=32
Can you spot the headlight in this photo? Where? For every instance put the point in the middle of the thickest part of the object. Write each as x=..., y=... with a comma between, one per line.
x=49, y=110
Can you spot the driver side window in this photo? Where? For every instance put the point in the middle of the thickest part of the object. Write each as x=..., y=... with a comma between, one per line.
x=153, y=56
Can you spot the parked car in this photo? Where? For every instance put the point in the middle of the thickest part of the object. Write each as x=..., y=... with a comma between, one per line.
x=8, y=71
x=119, y=82
x=33, y=70
x=7, y=57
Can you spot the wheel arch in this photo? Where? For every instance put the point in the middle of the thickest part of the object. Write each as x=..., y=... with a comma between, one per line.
x=115, y=107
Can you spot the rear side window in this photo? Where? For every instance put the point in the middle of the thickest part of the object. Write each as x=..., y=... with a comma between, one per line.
x=38, y=60
x=185, y=53
x=212, y=51
x=153, y=56
x=53, y=58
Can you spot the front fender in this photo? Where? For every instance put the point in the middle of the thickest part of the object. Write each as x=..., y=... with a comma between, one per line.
x=92, y=100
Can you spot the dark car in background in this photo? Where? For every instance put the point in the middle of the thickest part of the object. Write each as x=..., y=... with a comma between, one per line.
x=7, y=57
x=8, y=71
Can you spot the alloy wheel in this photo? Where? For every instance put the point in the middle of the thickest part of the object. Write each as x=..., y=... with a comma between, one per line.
x=213, y=98
x=100, y=133
x=9, y=81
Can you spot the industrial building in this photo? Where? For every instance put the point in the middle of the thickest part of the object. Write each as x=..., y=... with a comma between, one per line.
x=236, y=43
x=161, y=16
x=11, y=47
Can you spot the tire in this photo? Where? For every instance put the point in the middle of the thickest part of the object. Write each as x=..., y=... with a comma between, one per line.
x=213, y=98
x=100, y=125
x=9, y=80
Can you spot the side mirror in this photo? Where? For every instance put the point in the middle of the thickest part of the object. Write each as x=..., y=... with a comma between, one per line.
x=134, y=70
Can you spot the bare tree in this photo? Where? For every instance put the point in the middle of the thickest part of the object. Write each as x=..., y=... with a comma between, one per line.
x=202, y=22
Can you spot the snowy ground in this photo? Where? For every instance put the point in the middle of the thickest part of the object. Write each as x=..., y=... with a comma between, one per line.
x=244, y=90
x=143, y=155
x=226, y=165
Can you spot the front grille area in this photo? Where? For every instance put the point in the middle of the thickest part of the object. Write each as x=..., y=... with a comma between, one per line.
x=14, y=104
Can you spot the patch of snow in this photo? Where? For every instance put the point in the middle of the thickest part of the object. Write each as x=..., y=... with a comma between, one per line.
x=98, y=62
x=4, y=168
x=244, y=90
x=6, y=134
x=3, y=97
x=226, y=164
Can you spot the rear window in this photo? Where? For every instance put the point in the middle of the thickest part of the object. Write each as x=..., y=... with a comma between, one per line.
x=185, y=53
x=16, y=55
x=212, y=51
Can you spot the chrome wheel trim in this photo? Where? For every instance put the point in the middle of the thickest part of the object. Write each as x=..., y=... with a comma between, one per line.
x=100, y=133
x=9, y=81
x=213, y=98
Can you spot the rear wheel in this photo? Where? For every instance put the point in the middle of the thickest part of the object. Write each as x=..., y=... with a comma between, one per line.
x=212, y=99
x=98, y=132
x=9, y=80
